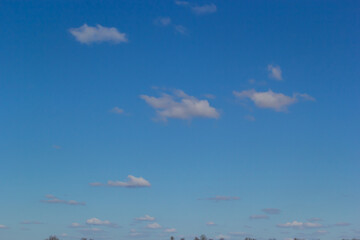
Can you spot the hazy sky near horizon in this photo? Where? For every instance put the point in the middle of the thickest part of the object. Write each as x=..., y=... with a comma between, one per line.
x=146, y=119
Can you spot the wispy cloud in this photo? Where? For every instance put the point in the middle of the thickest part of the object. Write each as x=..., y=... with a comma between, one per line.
x=211, y=224
x=117, y=110
x=76, y=225
x=271, y=100
x=182, y=3
x=153, y=226
x=170, y=230
x=87, y=34
x=299, y=225
x=3, y=226
x=275, y=72
x=258, y=217
x=181, y=29
x=145, y=218
x=181, y=106
x=204, y=9
x=54, y=200
x=342, y=224
x=271, y=210
x=132, y=182
x=163, y=21
x=221, y=198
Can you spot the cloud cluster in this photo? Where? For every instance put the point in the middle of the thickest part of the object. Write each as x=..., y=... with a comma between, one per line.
x=271, y=100
x=180, y=105
x=54, y=200
x=299, y=225
x=87, y=34
x=132, y=182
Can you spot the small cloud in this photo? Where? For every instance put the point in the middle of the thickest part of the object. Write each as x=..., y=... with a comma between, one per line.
x=31, y=222
x=275, y=72
x=181, y=106
x=275, y=101
x=98, y=222
x=299, y=225
x=163, y=21
x=204, y=9
x=211, y=224
x=117, y=110
x=180, y=29
x=56, y=146
x=342, y=224
x=132, y=182
x=221, y=198
x=182, y=3
x=321, y=232
x=153, y=226
x=3, y=226
x=170, y=230
x=64, y=235
x=271, y=211
x=76, y=225
x=54, y=200
x=258, y=217
x=87, y=34
x=145, y=218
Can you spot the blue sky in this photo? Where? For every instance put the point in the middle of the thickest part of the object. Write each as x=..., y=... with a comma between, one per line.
x=146, y=119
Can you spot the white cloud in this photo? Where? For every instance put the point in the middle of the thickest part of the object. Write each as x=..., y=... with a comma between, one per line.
x=98, y=222
x=76, y=225
x=117, y=110
x=257, y=217
x=271, y=210
x=275, y=101
x=163, y=21
x=181, y=106
x=211, y=224
x=204, y=9
x=132, y=182
x=145, y=218
x=170, y=230
x=275, y=72
x=153, y=226
x=87, y=34
x=221, y=198
x=300, y=225
x=54, y=200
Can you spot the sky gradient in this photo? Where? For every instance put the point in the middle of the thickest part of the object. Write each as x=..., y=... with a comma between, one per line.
x=146, y=119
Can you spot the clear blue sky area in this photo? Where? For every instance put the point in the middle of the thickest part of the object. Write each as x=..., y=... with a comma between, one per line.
x=130, y=119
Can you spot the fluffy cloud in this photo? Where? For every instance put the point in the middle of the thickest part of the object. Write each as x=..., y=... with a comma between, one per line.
x=271, y=210
x=132, y=182
x=117, y=110
x=98, y=222
x=170, y=230
x=204, y=9
x=275, y=72
x=153, y=226
x=54, y=200
x=221, y=198
x=87, y=34
x=300, y=225
x=257, y=217
x=145, y=218
x=181, y=106
x=275, y=101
